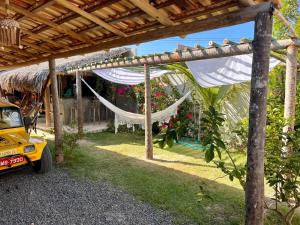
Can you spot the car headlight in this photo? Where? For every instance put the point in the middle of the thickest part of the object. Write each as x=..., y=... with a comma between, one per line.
x=29, y=148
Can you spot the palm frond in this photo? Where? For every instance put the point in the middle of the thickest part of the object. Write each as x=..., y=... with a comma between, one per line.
x=232, y=100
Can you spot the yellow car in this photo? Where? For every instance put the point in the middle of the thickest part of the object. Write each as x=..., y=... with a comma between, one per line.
x=17, y=148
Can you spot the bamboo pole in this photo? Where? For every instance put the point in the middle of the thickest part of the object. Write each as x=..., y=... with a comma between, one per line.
x=148, y=123
x=290, y=88
x=257, y=120
x=79, y=104
x=58, y=129
x=47, y=107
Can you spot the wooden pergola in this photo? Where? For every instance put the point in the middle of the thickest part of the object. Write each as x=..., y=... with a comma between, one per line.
x=61, y=28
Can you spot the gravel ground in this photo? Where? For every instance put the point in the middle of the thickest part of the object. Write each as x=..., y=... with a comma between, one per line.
x=56, y=198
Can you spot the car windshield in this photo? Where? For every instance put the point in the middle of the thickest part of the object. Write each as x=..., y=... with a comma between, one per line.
x=10, y=118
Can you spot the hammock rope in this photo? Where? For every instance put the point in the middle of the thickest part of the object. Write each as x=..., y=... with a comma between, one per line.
x=123, y=117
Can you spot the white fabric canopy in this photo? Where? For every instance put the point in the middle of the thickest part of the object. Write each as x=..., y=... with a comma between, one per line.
x=125, y=76
x=225, y=70
x=123, y=117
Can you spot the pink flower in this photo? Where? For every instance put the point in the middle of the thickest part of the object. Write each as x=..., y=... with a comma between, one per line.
x=121, y=91
x=189, y=115
x=164, y=126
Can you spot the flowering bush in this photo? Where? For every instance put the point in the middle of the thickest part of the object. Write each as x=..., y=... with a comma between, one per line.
x=163, y=94
x=189, y=115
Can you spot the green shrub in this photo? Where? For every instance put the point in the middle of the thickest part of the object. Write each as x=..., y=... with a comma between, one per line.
x=70, y=144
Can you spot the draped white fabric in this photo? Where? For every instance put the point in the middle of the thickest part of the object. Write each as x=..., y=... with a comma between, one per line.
x=123, y=117
x=125, y=76
x=225, y=70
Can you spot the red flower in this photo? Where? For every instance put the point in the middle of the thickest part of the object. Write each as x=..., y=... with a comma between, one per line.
x=189, y=115
x=158, y=94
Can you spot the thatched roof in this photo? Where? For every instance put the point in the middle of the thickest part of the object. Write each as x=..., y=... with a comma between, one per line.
x=32, y=78
x=62, y=28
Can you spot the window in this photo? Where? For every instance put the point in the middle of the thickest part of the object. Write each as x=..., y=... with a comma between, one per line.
x=10, y=118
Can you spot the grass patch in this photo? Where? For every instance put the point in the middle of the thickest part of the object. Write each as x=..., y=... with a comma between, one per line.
x=178, y=179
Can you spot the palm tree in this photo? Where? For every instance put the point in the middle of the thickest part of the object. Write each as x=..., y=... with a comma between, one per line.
x=231, y=100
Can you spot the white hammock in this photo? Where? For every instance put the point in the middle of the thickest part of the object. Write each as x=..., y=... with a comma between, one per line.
x=123, y=117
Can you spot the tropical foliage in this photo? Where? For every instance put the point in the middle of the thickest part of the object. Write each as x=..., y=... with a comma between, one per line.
x=232, y=100
x=282, y=170
x=211, y=125
x=290, y=11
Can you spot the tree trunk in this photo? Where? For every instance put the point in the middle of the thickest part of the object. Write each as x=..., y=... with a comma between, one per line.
x=58, y=130
x=290, y=88
x=79, y=104
x=47, y=107
x=290, y=94
x=257, y=120
x=148, y=122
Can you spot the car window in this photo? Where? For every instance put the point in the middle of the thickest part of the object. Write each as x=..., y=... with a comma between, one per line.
x=10, y=117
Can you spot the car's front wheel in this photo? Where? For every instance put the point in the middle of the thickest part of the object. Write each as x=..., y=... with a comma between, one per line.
x=44, y=165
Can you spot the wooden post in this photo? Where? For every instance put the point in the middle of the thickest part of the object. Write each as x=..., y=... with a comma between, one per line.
x=2, y=95
x=290, y=88
x=257, y=120
x=58, y=129
x=79, y=104
x=47, y=107
x=148, y=122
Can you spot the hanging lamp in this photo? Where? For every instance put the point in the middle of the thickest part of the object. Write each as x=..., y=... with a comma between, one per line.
x=10, y=32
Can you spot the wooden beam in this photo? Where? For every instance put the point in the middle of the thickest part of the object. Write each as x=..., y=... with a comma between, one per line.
x=58, y=127
x=123, y=16
x=195, y=54
x=148, y=120
x=127, y=15
x=43, y=6
x=257, y=119
x=287, y=23
x=22, y=52
x=6, y=60
x=90, y=17
x=277, y=13
x=93, y=6
x=136, y=12
x=153, y=12
x=40, y=5
x=37, y=47
x=276, y=3
x=247, y=2
x=61, y=28
x=42, y=37
x=205, y=2
x=13, y=56
x=79, y=104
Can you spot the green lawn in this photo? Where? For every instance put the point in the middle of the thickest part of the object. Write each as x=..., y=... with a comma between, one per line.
x=178, y=179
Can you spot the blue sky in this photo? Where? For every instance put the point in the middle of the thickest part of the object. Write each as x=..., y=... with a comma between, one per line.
x=234, y=33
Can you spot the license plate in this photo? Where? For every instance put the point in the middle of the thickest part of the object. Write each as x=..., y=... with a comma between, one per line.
x=11, y=160
x=8, y=152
